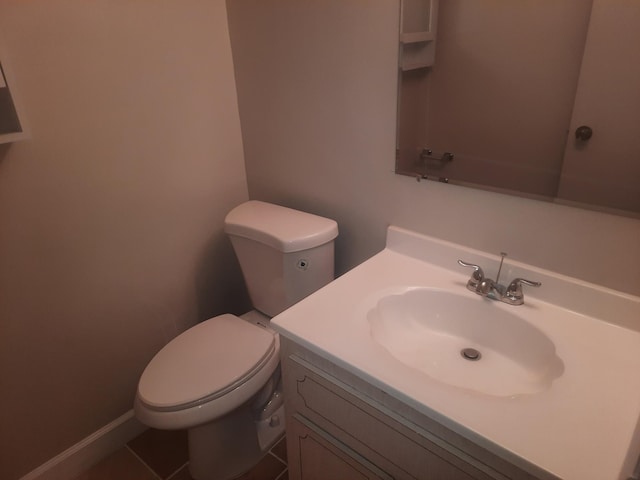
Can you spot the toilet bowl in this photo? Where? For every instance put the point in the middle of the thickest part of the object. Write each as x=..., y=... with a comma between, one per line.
x=220, y=379
x=223, y=369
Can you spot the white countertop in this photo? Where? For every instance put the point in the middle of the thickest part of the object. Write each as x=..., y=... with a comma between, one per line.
x=585, y=426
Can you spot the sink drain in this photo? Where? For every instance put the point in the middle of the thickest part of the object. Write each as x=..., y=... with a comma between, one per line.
x=470, y=354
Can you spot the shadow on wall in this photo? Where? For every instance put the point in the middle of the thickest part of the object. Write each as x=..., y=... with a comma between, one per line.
x=219, y=280
x=3, y=151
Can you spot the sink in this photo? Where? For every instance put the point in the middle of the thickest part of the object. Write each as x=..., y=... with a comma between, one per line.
x=465, y=341
x=557, y=378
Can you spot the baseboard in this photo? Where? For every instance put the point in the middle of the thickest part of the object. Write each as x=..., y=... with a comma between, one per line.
x=100, y=444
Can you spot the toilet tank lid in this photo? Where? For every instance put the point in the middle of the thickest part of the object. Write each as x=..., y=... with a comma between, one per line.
x=282, y=228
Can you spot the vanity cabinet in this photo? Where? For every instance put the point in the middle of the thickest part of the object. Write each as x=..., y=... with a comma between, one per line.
x=341, y=427
x=321, y=456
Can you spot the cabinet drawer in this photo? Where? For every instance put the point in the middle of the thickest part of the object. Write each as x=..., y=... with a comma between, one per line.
x=390, y=442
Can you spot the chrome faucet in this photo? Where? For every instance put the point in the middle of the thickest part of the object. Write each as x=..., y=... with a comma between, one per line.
x=511, y=294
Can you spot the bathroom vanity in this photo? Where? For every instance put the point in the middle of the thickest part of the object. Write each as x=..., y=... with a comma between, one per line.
x=340, y=427
x=376, y=386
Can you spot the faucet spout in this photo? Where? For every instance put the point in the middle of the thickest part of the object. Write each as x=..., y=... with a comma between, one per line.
x=489, y=288
x=485, y=287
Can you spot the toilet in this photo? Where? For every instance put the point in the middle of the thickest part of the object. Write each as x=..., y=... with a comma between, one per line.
x=221, y=378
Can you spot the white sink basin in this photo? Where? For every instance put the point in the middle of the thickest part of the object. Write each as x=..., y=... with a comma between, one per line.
x=429, y=329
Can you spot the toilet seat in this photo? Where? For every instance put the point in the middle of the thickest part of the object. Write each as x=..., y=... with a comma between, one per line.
x=207, y=371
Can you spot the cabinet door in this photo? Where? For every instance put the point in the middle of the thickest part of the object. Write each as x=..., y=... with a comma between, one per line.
x=391, y=444
x=319, y=456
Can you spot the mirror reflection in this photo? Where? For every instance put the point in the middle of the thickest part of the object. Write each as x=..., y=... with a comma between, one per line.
x=537, y=97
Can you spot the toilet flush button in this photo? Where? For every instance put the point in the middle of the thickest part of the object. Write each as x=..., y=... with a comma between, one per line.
x=274, y=421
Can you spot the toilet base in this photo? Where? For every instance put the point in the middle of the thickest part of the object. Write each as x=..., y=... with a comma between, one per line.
x=231, y=445
x=270, y=430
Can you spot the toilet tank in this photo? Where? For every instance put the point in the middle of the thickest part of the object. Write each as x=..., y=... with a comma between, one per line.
x=284, y=254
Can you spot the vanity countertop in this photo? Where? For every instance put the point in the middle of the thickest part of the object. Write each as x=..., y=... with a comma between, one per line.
x=585, y=426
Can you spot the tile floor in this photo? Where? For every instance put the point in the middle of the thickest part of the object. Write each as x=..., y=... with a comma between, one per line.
x=163, y=455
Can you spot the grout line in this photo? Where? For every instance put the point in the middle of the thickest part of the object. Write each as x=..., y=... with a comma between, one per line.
x=178, y=471
x=282, y=439
x=282, y=474
x=277, y=457
x=142, y=462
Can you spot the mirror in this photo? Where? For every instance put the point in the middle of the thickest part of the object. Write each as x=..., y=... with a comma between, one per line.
x=538, y=98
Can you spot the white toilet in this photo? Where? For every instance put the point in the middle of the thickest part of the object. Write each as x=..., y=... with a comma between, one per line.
x=221, y=378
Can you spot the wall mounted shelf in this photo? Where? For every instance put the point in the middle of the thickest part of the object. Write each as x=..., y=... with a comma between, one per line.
x=416, y=37
x=417, y=33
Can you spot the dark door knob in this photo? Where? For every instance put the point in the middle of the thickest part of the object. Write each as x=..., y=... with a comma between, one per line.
x=584, y=133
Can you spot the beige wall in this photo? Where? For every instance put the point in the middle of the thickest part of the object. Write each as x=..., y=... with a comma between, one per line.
x=316, y=86
x=111, y=214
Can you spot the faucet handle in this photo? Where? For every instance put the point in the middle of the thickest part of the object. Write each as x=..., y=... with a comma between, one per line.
x=514, y=293
x=476, y=277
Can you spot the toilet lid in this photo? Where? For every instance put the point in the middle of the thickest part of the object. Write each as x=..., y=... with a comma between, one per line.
x=205, y=362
